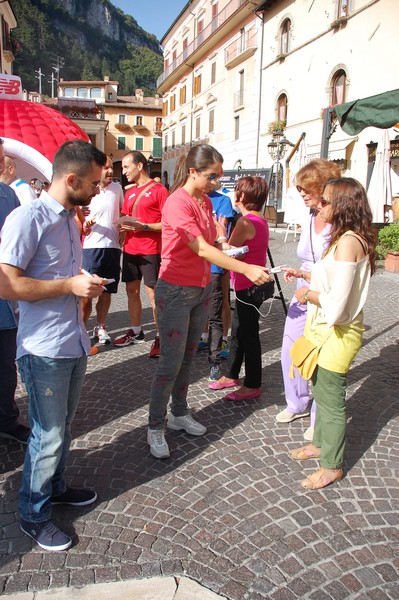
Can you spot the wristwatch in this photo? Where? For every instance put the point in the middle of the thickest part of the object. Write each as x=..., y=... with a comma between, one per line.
x=146, y=227
x=306, y=296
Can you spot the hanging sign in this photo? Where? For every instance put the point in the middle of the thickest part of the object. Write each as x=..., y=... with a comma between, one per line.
x=10, y=87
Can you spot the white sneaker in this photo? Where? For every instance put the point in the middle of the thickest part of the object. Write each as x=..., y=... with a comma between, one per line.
x=158, y=445
x=286, y=417
x=103, y=337
x=308, y=435
x=187, y=423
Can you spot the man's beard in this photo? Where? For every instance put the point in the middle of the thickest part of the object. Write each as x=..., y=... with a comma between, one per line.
x=75, y=201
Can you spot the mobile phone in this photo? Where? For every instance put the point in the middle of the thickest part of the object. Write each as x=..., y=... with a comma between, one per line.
x=236, y=251
x=276, y=269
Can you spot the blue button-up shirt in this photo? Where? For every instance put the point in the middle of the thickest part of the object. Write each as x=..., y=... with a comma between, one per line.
x=8, y=202
x=42, y=239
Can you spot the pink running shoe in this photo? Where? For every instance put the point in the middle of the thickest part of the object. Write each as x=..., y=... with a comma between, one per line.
x=221, y=385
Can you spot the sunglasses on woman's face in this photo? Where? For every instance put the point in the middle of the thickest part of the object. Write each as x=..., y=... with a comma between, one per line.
x=324, y=202
x=301, y=189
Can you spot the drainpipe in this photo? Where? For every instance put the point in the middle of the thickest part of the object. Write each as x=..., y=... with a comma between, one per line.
x=260, y=88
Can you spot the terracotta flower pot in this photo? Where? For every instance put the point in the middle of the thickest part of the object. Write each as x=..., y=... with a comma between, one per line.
x=392, y=262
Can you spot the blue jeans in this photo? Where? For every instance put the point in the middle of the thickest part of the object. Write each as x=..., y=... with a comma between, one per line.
x=182, y=312
x=53, y=387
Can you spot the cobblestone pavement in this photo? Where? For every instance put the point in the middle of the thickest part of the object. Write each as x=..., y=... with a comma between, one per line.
x=225, y=510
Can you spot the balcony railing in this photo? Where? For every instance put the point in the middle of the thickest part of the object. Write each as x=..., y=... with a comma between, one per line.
x=216, y=22
x=244, y=42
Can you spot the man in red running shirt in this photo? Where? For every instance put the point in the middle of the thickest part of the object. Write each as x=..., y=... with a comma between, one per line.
x=142, y=244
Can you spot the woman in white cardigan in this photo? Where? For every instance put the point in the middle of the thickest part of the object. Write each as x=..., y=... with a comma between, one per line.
x=338, y=290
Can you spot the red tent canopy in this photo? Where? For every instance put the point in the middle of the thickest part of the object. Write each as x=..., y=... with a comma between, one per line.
x=38, y=126
x=31, y=129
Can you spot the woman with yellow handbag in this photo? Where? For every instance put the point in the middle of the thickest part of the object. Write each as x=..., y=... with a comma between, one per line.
x=338, y=290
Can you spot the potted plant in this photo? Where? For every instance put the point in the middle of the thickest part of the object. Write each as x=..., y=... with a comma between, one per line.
x=388, y=246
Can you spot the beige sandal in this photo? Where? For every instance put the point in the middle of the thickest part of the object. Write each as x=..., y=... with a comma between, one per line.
x=304, y=453
x=322, y=478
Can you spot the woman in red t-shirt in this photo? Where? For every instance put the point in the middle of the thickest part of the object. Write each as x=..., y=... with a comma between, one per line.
x=183, y=290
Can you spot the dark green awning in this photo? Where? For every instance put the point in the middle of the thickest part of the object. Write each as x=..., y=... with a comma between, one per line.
x=381, y=111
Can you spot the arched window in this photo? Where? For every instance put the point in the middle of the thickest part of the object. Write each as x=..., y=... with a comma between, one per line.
x=282, y=104
x=285, y=37
x=343, y=8
x=338, y=87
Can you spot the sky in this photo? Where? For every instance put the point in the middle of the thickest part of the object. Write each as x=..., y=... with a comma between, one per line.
x=154, y=16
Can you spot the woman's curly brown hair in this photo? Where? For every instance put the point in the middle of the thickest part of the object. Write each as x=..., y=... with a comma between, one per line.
x=351, y=212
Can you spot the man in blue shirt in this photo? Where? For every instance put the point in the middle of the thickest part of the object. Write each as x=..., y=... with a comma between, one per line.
x=9, y=413
x=220, y=289
x=40, y=258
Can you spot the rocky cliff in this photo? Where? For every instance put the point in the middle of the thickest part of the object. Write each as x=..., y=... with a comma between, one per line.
x=83, y=39
x=104, y=16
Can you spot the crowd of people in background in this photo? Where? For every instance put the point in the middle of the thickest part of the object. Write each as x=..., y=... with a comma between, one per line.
x=189, y=245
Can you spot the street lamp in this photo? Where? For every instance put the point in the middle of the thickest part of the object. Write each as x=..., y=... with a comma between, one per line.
x=277, y=149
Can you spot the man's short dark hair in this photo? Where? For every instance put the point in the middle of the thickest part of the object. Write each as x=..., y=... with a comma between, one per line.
x=138, y=157
x=77, y=156
x=1, y=141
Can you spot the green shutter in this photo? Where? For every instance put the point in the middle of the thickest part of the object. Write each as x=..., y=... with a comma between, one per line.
x=157, y=147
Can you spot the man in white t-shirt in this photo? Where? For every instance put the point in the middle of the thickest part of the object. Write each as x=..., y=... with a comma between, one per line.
x=23, y=190
x=101, y=247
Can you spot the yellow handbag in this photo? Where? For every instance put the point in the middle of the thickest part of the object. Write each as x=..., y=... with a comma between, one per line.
x=304, y=355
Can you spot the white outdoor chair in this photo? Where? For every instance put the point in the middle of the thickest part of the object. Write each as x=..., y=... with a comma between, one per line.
x=295, y=227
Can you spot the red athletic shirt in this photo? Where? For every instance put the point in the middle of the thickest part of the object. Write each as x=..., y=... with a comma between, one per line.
x=183, y=220
x=148, y=210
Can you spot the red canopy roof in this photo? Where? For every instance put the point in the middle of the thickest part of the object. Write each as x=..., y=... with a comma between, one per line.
x=37, y=126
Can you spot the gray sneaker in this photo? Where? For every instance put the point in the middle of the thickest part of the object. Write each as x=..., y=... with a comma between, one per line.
x=47, y=535
x=187, y=423
x=158, y=445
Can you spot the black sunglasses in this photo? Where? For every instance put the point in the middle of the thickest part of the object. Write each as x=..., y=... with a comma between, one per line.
x=324, y=202
x=301, y=189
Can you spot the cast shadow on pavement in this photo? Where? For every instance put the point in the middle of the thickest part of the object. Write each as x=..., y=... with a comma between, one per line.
x=115, y=468
x=373, y=405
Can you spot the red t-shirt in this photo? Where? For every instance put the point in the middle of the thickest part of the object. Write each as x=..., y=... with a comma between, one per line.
x=183, y=220
x=148, y=210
